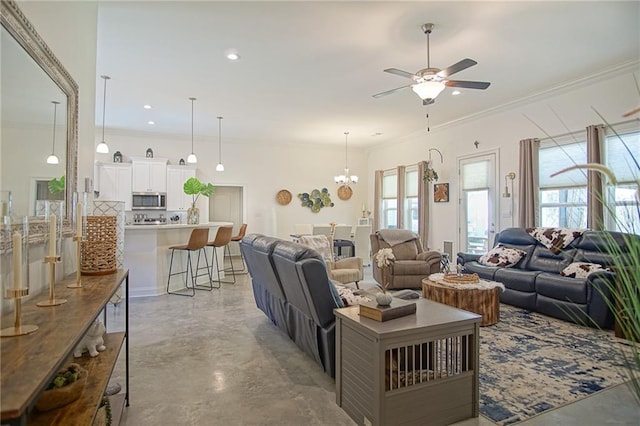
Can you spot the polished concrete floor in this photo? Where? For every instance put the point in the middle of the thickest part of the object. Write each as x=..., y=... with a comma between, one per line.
x=215, y=359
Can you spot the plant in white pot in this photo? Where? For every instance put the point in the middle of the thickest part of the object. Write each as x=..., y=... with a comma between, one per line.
x=384, y=259
x=195, y=188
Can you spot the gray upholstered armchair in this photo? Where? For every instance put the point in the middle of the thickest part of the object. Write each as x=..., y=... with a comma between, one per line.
x=412, y=262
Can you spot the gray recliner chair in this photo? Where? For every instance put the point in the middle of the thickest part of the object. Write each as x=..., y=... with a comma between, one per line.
x=412, y=262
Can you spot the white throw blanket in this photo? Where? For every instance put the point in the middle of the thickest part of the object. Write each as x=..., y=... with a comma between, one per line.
x=393, y=237
x=319, y=243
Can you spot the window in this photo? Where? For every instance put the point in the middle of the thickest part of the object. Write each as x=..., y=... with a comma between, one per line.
x=563, y=198
x=411, y=199
x=477, y=197
x=623, y=210
x=389, y=199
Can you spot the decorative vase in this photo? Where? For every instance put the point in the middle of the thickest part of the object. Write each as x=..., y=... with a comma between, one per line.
x=193, y=216
x=383, y=299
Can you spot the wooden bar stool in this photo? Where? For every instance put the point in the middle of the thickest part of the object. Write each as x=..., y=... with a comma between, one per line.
x=237, y=239
x=223, y=238
x=197, y=242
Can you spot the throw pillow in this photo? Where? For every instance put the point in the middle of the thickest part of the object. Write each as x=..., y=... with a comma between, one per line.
x=555, y=239
x=502, y=256
x=581, y=269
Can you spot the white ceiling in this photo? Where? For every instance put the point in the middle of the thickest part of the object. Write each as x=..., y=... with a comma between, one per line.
x=308, y=70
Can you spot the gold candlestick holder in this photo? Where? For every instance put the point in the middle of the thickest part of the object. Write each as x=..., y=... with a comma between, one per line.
x=78, y=283
x=18, y=328
x=52, y=260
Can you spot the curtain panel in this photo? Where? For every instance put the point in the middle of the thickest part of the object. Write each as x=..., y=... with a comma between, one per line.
x=595, y=192
x=528, y=187
x=423, y=205
x=377, y=196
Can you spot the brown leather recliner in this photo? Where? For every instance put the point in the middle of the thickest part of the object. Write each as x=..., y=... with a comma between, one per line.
x=412, y=262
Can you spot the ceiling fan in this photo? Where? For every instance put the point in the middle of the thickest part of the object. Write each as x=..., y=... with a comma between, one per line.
x=429, y=82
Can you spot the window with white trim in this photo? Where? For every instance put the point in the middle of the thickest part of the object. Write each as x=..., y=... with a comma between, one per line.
x=411, y=215
x=389, y=200
x=563, y=198
x=623, y=210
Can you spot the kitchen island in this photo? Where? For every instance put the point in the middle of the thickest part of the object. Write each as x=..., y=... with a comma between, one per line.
x=147, y=254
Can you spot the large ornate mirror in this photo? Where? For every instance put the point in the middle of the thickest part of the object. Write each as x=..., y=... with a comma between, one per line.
x=32, y=79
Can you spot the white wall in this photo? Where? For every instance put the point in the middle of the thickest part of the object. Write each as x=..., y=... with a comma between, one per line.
x=70, y=30
x=502, y=129
x=263, y=171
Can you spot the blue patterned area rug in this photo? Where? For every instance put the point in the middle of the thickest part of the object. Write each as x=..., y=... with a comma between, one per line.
x=531, y=363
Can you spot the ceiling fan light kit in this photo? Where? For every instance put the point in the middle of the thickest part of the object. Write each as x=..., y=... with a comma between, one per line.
x=428, y=89
x=429, y=82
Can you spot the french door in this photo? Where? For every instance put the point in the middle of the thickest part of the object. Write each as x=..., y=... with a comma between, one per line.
x=478, y=202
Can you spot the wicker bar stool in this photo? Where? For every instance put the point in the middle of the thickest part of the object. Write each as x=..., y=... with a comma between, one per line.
x=197, y=242
x=223, y=238
x=237, y=239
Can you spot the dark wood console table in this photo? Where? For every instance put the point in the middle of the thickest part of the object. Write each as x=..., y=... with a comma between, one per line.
x=29, y=362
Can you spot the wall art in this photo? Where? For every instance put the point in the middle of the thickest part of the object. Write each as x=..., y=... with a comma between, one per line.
x=441, y=193
x=316, y=199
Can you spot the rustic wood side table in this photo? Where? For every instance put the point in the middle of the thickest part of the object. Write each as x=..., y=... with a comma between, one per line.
x=482, y=301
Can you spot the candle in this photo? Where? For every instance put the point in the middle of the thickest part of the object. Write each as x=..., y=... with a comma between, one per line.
x=52, y=235
x=79, y=220
x=364, y=208
x=17, y=260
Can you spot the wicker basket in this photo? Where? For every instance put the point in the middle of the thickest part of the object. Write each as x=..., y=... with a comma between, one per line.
x=99, y=248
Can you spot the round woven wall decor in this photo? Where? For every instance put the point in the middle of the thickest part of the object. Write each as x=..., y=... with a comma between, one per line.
x=283, y=197
x=345, y=192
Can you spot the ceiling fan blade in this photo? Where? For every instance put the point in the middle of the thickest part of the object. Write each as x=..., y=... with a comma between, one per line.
x=457, y=67
x=467, y=84
x=388, y=92
x=401, y=73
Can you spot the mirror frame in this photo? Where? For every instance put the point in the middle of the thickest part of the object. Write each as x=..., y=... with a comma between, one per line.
x=17, y=24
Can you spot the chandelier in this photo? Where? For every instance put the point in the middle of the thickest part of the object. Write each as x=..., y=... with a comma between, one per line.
x=346, y=179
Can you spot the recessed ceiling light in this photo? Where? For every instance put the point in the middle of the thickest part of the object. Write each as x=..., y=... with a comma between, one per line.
x=455, y=92
x=151, y=122
x=232, y=54
x=147, y=107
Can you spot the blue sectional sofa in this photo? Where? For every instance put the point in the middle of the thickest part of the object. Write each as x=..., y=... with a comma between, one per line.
x=535, y=282
x=291, y=286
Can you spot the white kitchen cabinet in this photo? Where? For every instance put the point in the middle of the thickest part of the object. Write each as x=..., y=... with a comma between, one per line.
x=149, y=174
x=177, y=200
x=114, y=183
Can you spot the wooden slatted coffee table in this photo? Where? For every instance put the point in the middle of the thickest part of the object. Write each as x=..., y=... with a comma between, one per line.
x=482, y=301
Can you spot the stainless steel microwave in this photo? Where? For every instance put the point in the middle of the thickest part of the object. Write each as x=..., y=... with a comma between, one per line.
x=149, y=201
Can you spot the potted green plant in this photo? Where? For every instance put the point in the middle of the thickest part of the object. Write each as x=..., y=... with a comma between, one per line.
x=195, y=188
x=57, y=186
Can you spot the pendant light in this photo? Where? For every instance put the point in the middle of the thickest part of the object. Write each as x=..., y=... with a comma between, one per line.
x=53, y=158
x=192, y=159
x=346, y=179
x=219, y=167
x=102, y=147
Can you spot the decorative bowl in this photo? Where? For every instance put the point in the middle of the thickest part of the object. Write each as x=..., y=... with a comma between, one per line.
x=58, y=397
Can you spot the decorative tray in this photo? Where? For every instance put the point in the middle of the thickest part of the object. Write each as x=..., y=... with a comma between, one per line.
x=461, y=279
